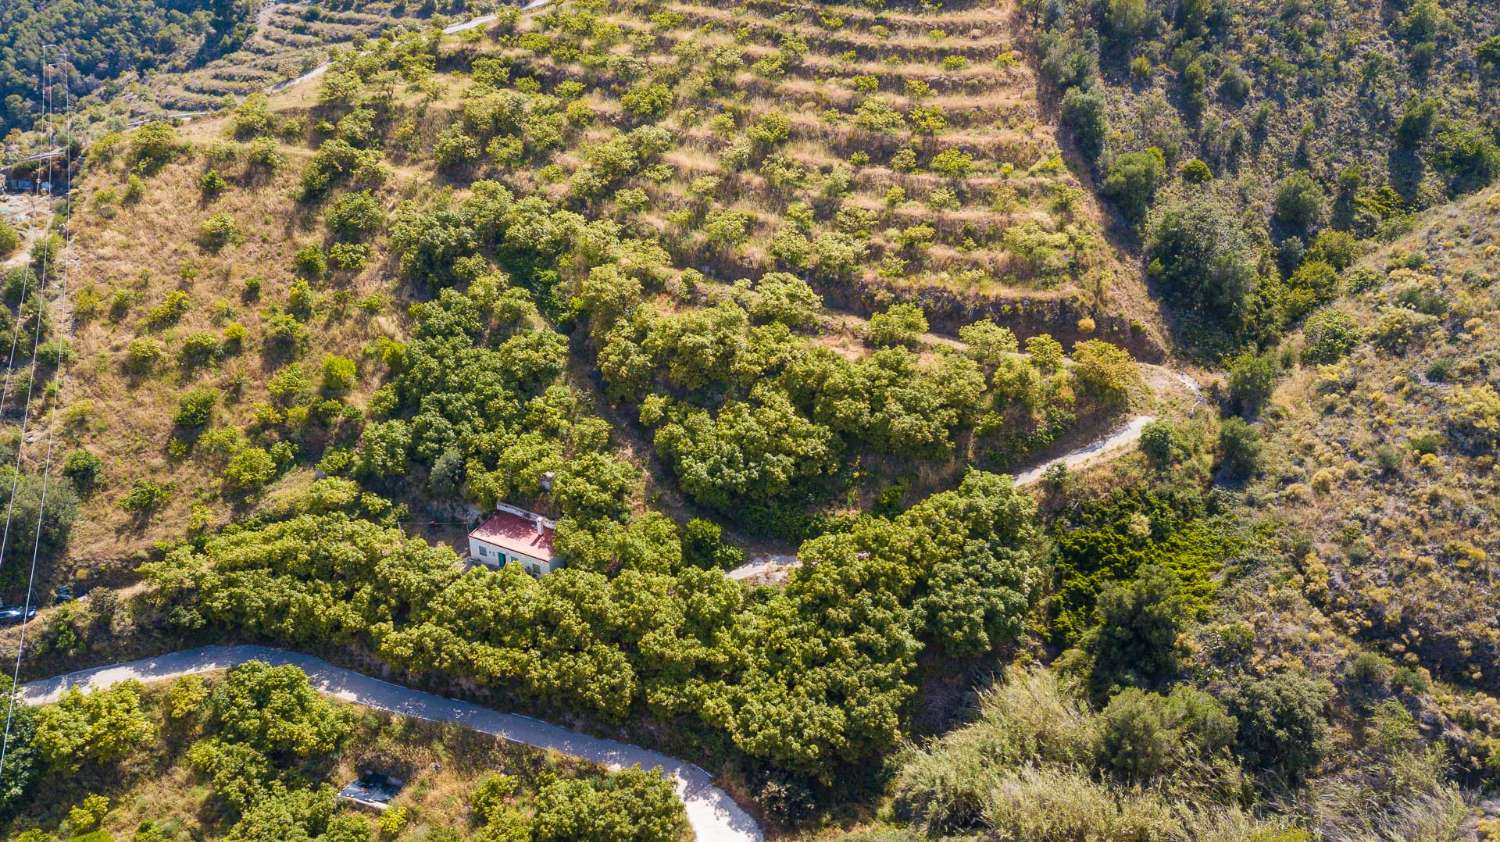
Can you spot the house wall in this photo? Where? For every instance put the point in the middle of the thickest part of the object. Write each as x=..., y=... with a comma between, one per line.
x=489, y=554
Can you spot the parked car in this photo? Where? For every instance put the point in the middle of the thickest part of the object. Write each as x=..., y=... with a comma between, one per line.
x=12, y=614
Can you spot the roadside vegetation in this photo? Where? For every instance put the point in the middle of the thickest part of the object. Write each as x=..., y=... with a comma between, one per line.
x=256, y=755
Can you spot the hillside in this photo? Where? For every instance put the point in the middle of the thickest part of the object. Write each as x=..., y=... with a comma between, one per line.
x=922, y=170
x=1282, y=119
x=1381, y=447
x=104, y=40
x=831, y=356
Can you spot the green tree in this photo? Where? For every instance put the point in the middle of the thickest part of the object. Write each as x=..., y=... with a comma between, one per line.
x=1083, y=113
x=21, y=761
x=276, y=711
x=1252, y=379
x=1106, y=374
x=92, y=729
x=628, y=806
x=899, y=324
x=1133, y=180
x=195, y=410
x=1202, y=257
x=1135, y=643
x=1239, y=449
x=1300, y=203
x=356, y=217
x=10, y=239
x=1283, y=729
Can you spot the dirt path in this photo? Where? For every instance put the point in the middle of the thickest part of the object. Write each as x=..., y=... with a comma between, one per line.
x=713, y=815
x=1098, y=449
x=774, y=568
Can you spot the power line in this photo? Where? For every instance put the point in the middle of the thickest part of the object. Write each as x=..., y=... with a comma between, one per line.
x=30, y=386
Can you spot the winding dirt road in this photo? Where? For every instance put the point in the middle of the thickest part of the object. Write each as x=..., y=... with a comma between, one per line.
x=713, y=815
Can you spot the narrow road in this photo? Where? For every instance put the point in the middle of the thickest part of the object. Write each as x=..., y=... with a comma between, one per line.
x=1095, y=450
x=310, y=75
x=713, y=815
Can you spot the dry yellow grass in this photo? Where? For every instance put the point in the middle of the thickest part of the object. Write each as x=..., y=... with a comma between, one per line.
x=147, y=250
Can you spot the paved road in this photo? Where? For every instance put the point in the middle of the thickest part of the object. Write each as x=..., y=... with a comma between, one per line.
x=712, y=813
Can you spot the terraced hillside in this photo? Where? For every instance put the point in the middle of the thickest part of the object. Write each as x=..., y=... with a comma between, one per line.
x=888, y=155
x=289, y=40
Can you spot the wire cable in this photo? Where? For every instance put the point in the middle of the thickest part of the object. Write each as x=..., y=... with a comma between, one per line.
x=47, y=463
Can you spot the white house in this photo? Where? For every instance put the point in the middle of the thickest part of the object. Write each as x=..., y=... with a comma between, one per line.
x=514, y=534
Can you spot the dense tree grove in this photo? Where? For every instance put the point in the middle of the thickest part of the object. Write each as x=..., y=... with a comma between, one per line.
x=811, y=679
x=103, y=39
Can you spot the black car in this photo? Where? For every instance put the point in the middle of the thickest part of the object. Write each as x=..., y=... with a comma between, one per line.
x=12, y=614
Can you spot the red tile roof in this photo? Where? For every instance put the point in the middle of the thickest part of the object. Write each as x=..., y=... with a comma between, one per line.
x=516, y=534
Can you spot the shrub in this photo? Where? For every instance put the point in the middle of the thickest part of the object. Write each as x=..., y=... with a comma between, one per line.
x=172, y=308
x=218, y=231
x=1239, y=449
x=1336, y=248
x=1329, y=335
x=1416, y=122
x=1283, y=730
x=311, y=263
x=1083, y=113
x=1474, y=418
x=1398, y=329
x=1195, y=171
x=648, y=101
x=900, y=324
x=248, y=470
x=348, y=257
x=198, y=349
x=142, y=355
x=1162, y=443
x=10, y=239
x=338, y=375
x=953, y=163
x=145, y=496
x=82, y=468
x=726, y=229
x=1144, y=736
x=1468, y=155
x=212, y=184
x=1133, y=181
x=357, y=216
x=196, y=408
x=1299, y=203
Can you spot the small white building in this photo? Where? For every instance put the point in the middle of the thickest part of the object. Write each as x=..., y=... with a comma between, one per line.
x=514, y=534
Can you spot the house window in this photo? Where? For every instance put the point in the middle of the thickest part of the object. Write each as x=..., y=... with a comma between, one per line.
x=482, y=552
